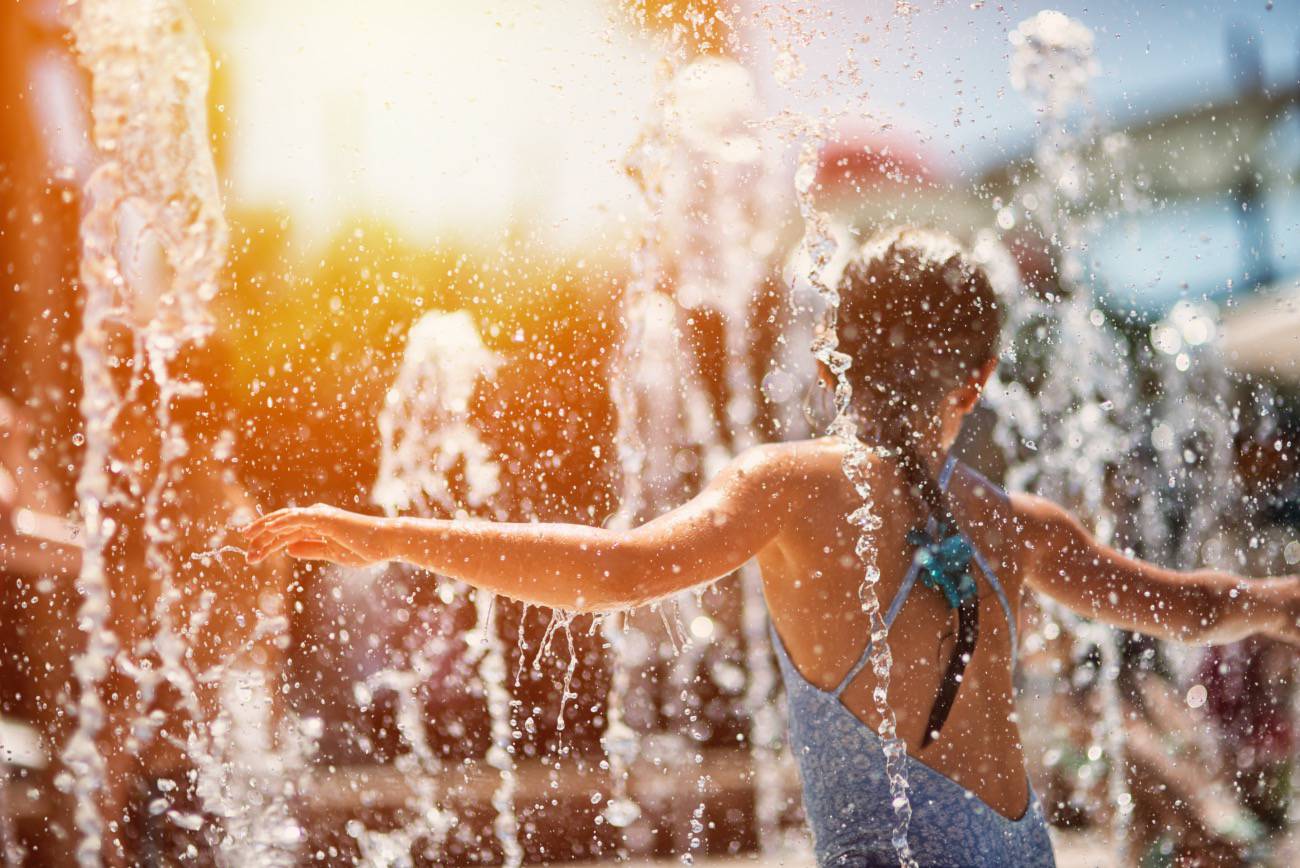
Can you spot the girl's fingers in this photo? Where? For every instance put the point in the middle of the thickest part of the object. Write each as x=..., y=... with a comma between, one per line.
x=285, y=527
x=280, y=517
x=281, y=522
x=287, y=524
x=258, y=523
x=270, y=545
x=253, y=536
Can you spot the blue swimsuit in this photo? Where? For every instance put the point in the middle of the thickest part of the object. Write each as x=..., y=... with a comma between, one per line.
x=846, y=793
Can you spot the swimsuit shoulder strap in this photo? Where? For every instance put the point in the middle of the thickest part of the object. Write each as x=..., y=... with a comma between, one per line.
x=1002, y=598
x=983, y=564
x=909, y=581
x=945, y=475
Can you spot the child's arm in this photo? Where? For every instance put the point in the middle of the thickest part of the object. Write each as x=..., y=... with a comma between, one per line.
x=567, y=566
x=1065, y=562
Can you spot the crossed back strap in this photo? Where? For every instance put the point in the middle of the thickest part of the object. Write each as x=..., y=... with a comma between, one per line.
x=967, y=628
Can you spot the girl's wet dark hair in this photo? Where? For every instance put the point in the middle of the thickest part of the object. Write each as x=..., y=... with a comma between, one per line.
x=918, y=318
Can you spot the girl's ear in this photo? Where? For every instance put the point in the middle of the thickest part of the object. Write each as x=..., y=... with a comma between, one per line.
x=967, y=395
x=981, y=377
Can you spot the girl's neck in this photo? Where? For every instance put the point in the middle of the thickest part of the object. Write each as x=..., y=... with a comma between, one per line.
x=930, y=444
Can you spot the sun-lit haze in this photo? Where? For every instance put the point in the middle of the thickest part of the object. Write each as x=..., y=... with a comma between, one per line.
x=444, y=118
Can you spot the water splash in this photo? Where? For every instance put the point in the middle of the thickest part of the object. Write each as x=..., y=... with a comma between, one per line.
x=424, y=427
x=100, y=405
x=818, y=249
x=243, y=783
x=707, y=238
x=1052, y=63
x=427, y=437
x=645, y=164
x=487, y=649
x=209, y=555
x=812, y=277
x=619, y=741
x=717, y=217
x=1081, y=440
x=420, y=767
x=13, y=852
x=1077, y=429
x=155, y=185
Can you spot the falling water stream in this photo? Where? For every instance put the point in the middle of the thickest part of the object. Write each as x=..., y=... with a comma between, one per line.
x=1077, y=427
x=816, y=264
x=722, y=202
x=149, y=74
x=819, y=245
x=705, y=182
x=426, y=440
x=645, y=166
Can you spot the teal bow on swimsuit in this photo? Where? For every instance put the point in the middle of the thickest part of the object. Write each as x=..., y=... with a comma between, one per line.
x=945, y=563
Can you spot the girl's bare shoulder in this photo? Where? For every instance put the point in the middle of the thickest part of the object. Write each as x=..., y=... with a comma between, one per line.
x=805, y=463
x=991, y=520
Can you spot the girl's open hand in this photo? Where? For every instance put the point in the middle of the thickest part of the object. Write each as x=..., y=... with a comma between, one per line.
x=318, y=532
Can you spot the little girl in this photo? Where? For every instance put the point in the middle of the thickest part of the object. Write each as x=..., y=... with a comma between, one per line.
x=954, y=552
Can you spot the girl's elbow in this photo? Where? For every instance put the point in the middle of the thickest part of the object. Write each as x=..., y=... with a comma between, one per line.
x=1212, y=623
x=600, y=596
x=610, y=590
x=635, y=570
x=624, y=590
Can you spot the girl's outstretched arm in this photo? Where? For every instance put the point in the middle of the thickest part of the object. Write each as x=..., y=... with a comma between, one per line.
x=1065, y=562
x=569, y=566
